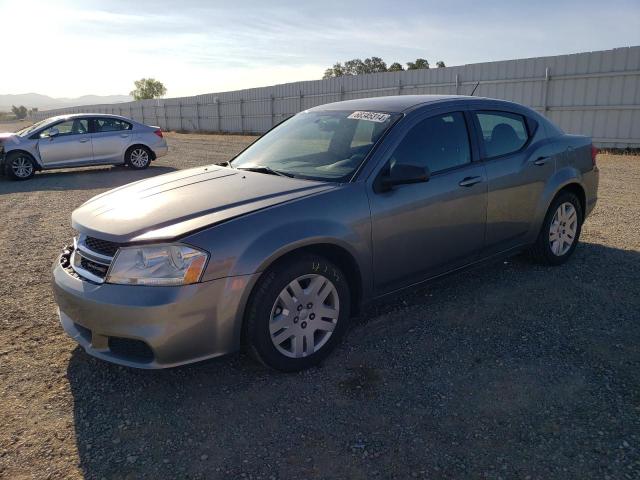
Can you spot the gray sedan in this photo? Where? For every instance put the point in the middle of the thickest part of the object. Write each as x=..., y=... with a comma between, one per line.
x=341, y=204
x=79, y=140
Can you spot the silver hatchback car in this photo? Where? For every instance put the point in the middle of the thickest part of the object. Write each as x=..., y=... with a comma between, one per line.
x=336, y=206
x=79, y=140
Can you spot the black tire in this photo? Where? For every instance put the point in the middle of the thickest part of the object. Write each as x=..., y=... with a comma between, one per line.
x=262, y=302
x=13, y=171
x=134, y=158
x=542, y=251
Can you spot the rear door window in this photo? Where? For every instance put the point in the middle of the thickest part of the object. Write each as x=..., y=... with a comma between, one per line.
x=502, y=132
x=102, y=125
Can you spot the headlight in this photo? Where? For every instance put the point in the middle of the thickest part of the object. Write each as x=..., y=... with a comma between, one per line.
x=157, y=265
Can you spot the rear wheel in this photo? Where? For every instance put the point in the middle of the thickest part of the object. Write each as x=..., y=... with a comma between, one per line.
x=298, y=313
x=20, y=166
x=560, y=230
x=138, y=157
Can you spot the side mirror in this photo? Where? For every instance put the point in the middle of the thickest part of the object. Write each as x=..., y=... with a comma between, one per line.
x=54, y=132
x=401, y=174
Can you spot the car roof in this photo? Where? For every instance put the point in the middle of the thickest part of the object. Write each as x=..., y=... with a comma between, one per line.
x=400, y=103
x=102, y=115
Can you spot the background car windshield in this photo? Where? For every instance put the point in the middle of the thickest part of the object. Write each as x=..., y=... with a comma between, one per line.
x=324, y=145
x=27, y=130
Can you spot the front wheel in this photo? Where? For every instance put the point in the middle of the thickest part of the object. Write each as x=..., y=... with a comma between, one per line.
x=138, y=157
x=560, y=230
x=20, y=166
x=298, y=313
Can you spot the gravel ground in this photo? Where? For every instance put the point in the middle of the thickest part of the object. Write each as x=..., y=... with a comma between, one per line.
x=509, y=371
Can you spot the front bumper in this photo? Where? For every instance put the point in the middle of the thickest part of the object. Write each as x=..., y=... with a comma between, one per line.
x=152, y=327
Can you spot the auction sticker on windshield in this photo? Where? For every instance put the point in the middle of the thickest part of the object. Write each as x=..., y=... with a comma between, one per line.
x=371, y=116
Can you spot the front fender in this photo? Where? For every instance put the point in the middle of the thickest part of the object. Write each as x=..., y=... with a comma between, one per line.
x=31, y=150
x=287, y=238
x=249, y=244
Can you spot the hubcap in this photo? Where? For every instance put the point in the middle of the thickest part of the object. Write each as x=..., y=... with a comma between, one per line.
x=564, y=227
x=22, y=167
x=304, y=316
x=139, y=157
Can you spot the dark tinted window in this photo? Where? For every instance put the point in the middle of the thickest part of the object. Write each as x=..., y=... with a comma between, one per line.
x=437, y=143
x=110, y=125
x=502, y=132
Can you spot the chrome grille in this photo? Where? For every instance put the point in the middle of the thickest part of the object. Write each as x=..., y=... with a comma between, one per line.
x=92, y=257
x=103, y=247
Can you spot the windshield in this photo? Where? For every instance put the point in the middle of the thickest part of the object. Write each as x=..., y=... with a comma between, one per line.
x=318, y=145
x=27, y=130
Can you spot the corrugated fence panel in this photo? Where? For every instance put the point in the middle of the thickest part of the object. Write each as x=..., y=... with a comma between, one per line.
x=590, y=93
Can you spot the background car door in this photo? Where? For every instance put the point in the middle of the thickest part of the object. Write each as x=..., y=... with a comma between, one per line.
x=421, y=230
x=517, y=171
x=110, y=137
x=71, y=146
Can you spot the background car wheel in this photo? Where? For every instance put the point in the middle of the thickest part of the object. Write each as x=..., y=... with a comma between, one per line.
x=560, y=230
x=20, y=166
x=138, y=157
x=297, y=313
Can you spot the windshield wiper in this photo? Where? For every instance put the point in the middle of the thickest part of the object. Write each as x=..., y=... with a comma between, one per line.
x=265, y=169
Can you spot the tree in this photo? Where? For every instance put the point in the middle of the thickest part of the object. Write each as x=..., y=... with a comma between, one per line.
x=33, y=110
x=148, y=88
x=20, y=112
x=419, y=64
x=374, y=65
x=357, y=66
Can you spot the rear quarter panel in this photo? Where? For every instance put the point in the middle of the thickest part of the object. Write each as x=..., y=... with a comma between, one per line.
x=573, y=164
x=145, y=135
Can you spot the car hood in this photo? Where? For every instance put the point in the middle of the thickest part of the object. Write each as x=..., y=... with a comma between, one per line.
x=9, y=136
x=169, y=206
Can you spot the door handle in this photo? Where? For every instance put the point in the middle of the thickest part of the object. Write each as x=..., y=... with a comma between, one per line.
x=541, y=161
x=83, y=140
x=469, y=181
x=124, y=135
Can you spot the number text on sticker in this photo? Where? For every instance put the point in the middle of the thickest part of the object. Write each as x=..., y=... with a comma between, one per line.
x=371, y=116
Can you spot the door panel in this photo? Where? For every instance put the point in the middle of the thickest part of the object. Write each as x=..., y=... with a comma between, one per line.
x=110, y=139
x=516, y=183
x=425, y=229
x=516, y=177
x=72, y=146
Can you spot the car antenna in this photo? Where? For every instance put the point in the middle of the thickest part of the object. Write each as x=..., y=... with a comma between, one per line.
x=474, y=88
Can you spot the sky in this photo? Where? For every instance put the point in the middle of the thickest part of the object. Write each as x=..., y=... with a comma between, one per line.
x=73, y=48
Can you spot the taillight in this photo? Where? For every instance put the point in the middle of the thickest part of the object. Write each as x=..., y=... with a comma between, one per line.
x=158, y=132
x=594, y=154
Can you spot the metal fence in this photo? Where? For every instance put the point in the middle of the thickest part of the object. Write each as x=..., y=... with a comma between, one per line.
x=591, y=93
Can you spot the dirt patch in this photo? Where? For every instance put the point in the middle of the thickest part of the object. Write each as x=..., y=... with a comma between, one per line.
x=509, y=371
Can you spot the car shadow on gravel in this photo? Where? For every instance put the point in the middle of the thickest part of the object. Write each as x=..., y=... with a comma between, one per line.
x=510, y=370
x=110, y=176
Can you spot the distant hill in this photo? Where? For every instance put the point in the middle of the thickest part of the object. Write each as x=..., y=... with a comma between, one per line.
x=44, y=102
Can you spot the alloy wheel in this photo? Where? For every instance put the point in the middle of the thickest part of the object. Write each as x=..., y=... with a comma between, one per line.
x=304, y=316
x=139, y=157
x=22, y=167
x=563, y=229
